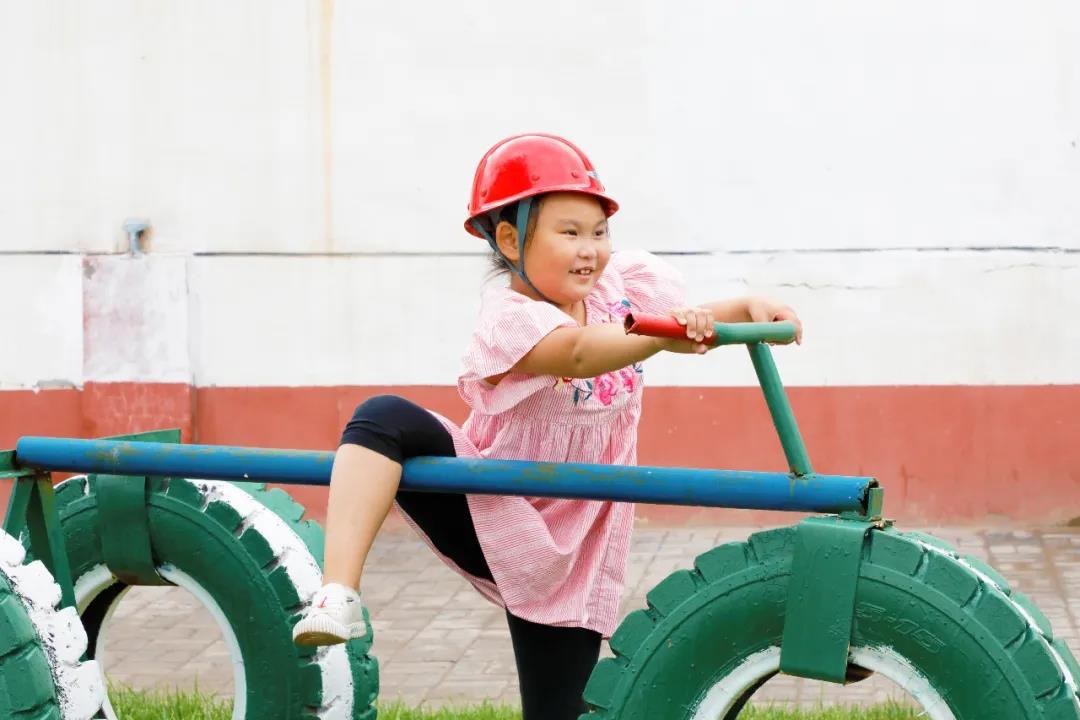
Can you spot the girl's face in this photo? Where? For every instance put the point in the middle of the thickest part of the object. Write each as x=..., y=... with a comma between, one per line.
x=567, y=250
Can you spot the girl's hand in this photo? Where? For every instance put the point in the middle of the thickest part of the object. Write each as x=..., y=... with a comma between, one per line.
x=698, y=321
x=699, y=331
x=765, y=310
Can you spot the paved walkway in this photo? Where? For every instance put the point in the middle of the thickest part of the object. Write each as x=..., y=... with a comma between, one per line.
x=438, y=642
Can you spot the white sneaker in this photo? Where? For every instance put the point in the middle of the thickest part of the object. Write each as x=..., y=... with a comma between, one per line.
x=335, y=616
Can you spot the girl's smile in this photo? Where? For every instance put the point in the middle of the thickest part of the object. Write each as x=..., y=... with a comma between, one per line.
x=565, y=252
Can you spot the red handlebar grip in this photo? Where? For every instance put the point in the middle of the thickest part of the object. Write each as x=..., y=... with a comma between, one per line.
x=655, y=326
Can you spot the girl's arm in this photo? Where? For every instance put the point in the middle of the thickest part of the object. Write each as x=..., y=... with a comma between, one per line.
x=585, y=352
x=733, y=310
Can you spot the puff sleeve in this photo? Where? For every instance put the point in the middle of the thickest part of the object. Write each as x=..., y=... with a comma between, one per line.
x=510, y=325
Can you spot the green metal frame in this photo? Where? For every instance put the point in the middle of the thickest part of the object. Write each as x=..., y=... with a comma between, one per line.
x=780, y=409
x=8, y=468
x=820, y=608
x=31, y=512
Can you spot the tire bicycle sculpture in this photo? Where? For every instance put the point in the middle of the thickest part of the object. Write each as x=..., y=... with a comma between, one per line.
x=834, y=598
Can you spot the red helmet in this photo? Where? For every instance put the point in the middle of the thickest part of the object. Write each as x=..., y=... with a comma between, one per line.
x=523, y=166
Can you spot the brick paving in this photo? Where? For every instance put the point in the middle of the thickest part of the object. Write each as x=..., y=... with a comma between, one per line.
x=439, y=643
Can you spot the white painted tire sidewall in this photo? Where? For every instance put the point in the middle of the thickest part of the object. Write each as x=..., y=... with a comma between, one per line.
x=79, y=690
x=884, y=661
x=337, y=698
x=93, y=583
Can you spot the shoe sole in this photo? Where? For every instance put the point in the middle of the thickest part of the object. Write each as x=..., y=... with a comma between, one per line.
x=317, y=638
x=322, y=630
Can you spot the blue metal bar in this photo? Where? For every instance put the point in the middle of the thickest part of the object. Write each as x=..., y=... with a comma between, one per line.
x=661, y=485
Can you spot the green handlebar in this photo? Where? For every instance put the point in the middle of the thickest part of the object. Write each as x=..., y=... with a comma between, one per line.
x=754, y=336
x=749, y=333
x=723, y=334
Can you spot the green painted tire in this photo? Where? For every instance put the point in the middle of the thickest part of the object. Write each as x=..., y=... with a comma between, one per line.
x=945, y=628
x=244, y=552
x=42, y=676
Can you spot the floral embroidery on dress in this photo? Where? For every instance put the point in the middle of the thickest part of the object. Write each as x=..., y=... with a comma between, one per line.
x=606, y=387
x=583, y=389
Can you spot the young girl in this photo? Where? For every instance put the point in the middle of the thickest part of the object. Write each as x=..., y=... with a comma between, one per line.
x=550, y=375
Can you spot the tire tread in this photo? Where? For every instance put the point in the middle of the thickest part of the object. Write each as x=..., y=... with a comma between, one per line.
x=973, y=587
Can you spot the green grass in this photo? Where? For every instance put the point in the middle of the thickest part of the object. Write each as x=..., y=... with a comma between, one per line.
x=887, y=711
x=172, y=705
x=181, y=705
x=486, y=711
x=489, y=712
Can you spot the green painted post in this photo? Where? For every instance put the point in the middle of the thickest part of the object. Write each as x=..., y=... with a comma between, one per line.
x=32, y=510
x=18, y=502
x=782, y=416
x=9, y=469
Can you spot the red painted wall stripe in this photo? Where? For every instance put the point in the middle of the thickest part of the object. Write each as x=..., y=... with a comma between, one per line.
x=945, y=454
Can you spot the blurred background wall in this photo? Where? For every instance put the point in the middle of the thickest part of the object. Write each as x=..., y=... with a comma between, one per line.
x=905, y=174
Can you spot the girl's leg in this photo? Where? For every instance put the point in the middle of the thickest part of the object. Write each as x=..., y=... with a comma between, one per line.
x=382, y=433
x=361, y=508
x=446, y=520
x=362, y=488
x=553, y=664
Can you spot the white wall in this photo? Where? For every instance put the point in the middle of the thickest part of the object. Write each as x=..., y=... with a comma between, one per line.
x=41, y=315
x=885, y=318
x=877, y=319
x=766, y=136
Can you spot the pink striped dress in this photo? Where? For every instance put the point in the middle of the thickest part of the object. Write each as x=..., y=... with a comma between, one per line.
x=556, y=562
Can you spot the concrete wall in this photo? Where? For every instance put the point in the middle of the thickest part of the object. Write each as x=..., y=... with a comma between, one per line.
x=907, y=176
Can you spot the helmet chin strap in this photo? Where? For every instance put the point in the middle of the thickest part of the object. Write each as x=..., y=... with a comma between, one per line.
x=522, y=226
